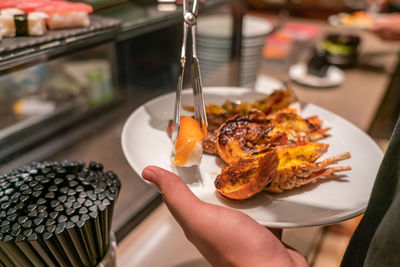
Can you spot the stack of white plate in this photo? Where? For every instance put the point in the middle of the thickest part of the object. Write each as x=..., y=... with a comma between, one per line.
x=214, y=42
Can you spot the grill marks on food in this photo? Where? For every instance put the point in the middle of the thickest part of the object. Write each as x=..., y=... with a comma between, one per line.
x=247, y=177
x=241, y=136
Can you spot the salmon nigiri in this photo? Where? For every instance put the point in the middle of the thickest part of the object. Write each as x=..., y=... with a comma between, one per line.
x=8, y=3
x=64, y=14
x=59, y=7
x=31, y=5
x=188, y=148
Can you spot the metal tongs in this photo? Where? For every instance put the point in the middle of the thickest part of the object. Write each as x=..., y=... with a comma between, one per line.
x=190, y=18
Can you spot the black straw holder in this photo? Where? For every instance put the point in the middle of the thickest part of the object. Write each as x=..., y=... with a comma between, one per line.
x=56, y=214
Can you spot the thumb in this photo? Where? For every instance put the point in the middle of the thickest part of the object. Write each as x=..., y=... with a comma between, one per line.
x=176, y=194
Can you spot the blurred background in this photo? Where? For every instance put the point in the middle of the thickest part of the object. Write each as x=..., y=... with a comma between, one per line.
x=68, y=98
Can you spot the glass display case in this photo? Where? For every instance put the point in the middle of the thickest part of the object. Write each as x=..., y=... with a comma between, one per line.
x=40, y=100
x=66, y=95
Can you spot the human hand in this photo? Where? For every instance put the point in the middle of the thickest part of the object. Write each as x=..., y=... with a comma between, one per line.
x=387, y=27
x=225, y=237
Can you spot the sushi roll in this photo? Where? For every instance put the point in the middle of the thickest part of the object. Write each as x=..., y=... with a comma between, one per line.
x=64, y=15
x=14, y=22
x=188, y=148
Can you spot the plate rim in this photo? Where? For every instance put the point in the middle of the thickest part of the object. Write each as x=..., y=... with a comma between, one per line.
x=286, y=225
x=294, y=67
x=166, y=95
x=334, y=20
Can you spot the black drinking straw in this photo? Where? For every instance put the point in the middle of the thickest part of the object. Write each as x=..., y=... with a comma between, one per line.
x=77, y=243
x=66, y=244
x=56, y=214
x=3, y=256
x=104, y=215
x=91, y=226
x=87, y=236
x=40, y=249
x=51, y=242
x=112, y=198
x=96, y=225
x=13, y=252
x=4, y=260
x=28, y=251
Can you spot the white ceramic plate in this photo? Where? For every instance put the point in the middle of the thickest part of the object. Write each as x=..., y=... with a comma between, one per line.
x=299, y=74
x=266, y=84
x=145, y=142
x=336, y=20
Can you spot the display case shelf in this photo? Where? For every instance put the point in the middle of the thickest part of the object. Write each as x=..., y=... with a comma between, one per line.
x=22, y=58
x=119, y=22
x=18, y=51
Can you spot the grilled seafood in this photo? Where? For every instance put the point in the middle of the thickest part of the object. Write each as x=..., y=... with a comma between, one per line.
x=289, y=167
x=218, y=115
x=295, y=127
x=247, y=177
x=241, y=136
x=267, y=145
x=297, y=166
x=278, y=100
x=210, y=143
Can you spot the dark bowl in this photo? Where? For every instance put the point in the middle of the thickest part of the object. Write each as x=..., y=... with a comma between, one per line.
x=341, y=49
x=345, y=39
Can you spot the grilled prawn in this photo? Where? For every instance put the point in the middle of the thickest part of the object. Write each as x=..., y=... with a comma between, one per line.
x=294, y=126
x=287, y=167
x=298, y=166
x=242, y=136
x=247, y=177
x=218, y=114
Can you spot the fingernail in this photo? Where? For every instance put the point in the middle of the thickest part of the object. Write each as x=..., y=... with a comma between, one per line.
x=149, y=176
